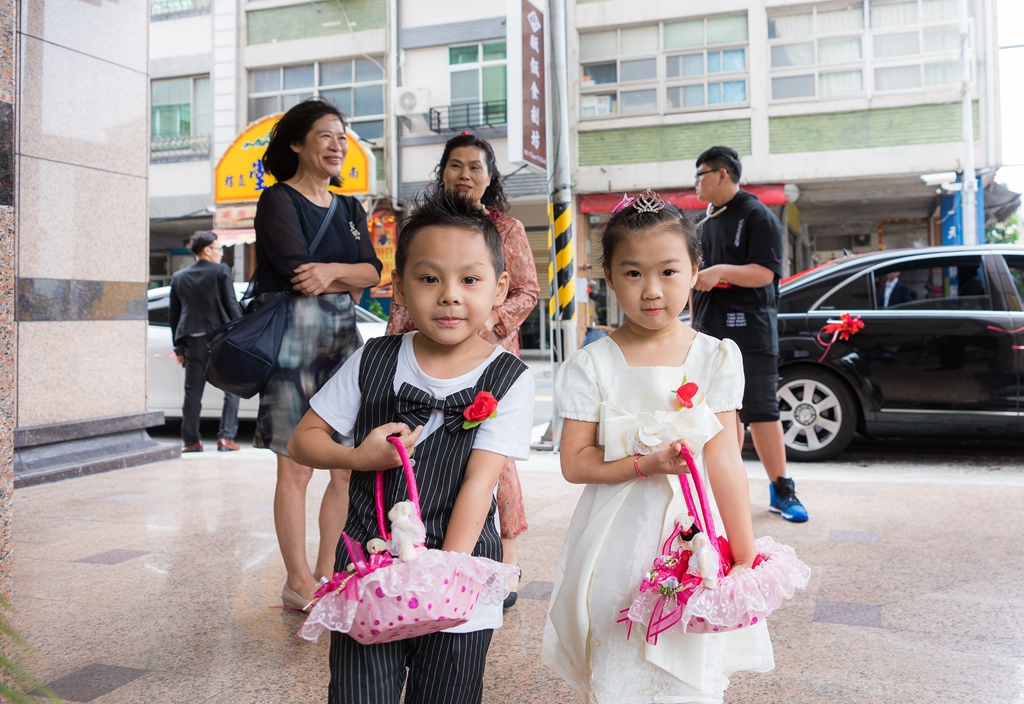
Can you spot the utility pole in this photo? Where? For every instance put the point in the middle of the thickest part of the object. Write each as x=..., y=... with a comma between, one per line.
x=564, y=339
x=969, y=185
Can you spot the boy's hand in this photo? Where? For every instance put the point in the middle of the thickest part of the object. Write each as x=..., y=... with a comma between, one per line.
x=377, y=452
x=667, y=461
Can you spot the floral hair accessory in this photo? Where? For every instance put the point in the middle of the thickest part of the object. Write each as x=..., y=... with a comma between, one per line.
x=649, y=202
x=685, y=393
x=484, y=407
x=625, y=202
x=467, y=134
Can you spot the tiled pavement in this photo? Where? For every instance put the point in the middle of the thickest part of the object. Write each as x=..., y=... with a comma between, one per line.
x=153, y=584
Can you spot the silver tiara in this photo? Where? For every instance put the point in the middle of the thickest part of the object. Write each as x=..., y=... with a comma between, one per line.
x=649, y=202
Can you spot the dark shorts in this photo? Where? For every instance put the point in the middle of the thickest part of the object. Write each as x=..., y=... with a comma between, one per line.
x=761, y=375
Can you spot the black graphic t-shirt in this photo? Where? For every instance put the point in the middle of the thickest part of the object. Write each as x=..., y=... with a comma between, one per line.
x=745, y=231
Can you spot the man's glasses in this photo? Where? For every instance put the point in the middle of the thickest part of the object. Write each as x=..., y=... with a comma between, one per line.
x=696, y=176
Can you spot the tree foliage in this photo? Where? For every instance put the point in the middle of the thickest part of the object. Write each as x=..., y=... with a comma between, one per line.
x=1006, y=232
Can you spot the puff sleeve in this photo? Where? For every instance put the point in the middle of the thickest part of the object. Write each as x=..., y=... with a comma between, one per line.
x=577, y=393
x=725, y=388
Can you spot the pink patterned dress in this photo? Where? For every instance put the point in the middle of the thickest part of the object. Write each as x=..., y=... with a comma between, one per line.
x=521, y=299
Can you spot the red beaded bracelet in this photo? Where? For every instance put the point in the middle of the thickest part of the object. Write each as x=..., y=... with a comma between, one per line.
x=636, y=467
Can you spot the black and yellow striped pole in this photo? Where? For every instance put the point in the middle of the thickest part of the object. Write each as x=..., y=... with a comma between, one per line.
x=561, y=272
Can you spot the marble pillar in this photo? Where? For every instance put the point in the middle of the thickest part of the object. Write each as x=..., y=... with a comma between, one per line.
x=81, y=238
x=8, y=64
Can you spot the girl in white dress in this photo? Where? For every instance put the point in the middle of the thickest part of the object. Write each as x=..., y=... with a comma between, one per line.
x=624, y=428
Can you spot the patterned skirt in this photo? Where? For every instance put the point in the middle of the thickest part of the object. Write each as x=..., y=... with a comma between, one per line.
x=320, y=335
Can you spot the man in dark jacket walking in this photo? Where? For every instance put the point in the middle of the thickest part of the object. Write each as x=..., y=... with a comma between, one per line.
x=202, y=299
x=736, y=297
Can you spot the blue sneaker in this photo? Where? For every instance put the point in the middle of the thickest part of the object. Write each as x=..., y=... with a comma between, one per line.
x=782, y=496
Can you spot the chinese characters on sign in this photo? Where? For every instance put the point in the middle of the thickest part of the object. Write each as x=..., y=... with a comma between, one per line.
x=535, y=148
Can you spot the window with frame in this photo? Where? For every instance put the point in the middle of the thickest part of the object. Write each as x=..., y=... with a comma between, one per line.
x=837, y=49
x=477, y=82
x=181, y=115
x=355, y=86
x=672, y=66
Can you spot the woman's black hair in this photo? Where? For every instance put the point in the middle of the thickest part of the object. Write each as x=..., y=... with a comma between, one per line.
x=200, y=240
x=453, y=210
x=279, y=160
x=629, y=222
x=494, y=197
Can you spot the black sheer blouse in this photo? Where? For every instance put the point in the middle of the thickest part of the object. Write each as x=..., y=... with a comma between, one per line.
x=286, y=223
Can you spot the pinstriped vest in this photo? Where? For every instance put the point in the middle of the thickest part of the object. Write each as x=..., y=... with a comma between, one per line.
x=440, y=460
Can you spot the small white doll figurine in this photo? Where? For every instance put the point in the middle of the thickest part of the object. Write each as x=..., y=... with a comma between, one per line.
x=407, y=531
x=376, y=546
x=703, y=561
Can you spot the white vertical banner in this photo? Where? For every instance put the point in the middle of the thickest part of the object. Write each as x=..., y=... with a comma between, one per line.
x=526, y=26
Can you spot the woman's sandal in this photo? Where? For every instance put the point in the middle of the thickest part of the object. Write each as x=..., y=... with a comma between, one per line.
x=293, y=600
x=510, y=600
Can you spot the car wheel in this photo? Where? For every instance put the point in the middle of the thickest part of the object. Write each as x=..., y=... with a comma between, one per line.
x=818, y=414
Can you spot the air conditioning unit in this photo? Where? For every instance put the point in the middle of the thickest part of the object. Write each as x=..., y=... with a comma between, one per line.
x=411, y=101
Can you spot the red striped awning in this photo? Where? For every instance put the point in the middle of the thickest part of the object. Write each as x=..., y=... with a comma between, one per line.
x=684, y=199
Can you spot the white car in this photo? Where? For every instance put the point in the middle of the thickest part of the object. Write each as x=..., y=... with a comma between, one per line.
x=166, y=389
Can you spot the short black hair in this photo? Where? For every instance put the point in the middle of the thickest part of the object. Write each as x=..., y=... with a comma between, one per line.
x=452, y=210
x=629, y=221
x=279, y=160
x=722, y=158
x=494, y=195
x=200, y=240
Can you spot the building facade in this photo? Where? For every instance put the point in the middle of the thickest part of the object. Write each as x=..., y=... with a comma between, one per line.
x=838, y=108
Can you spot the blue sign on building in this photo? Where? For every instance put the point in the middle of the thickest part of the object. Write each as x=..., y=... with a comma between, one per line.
x=952, y=215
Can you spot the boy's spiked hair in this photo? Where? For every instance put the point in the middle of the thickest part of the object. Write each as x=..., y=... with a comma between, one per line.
x=453, y=210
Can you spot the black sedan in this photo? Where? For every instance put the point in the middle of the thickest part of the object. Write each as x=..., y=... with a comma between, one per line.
x=940, y=351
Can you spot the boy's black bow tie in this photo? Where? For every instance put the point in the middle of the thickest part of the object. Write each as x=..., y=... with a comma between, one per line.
x=415, y=405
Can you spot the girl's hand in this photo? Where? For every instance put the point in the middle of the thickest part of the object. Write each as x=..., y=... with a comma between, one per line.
x=667, y=461
x=313, y=279
x=742, y=565
x=377, y=452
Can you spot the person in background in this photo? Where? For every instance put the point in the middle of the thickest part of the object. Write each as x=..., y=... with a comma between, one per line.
x=894, y=292
x=202, y=299
x=306, y=150
x=468, y=166
x=736, y=298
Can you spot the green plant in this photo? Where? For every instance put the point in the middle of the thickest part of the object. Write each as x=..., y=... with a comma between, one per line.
x=376, y=308
x=14, y=680
x=1006, y=232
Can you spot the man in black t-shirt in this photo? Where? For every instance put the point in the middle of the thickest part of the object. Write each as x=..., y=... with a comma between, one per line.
x=737, y=297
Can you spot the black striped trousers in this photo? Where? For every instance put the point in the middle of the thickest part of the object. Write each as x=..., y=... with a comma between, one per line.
x=443, y=668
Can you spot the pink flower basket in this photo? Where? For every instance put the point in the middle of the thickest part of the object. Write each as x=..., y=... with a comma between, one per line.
x=676, y=595
x=381, y=599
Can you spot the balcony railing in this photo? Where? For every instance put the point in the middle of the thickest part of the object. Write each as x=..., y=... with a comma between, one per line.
x=165, y=9
x=451, y=118
x=173, y=147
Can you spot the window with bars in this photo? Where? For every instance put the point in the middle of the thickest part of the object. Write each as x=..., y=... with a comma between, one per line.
x=671, y=66
x=356, y=86
x=181, y=115
x=836, y=49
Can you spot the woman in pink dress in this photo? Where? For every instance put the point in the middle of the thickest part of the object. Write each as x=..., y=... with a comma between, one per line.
x=468, y=166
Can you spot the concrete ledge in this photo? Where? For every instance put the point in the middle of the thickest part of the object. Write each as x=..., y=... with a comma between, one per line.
x=51, y=453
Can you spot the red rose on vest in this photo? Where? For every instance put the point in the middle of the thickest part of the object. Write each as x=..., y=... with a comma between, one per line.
x=484, y=406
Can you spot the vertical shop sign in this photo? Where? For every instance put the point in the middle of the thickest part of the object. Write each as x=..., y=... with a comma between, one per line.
x=527, y=92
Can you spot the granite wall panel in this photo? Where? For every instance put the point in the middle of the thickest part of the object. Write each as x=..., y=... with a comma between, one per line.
x=69, y=371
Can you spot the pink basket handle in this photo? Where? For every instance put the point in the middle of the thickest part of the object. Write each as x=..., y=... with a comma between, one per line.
x=705, y=506
x=410, y=478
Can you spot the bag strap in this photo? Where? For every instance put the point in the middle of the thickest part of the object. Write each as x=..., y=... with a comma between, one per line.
x=323, y=225
x=705, y=506
x=410, y=478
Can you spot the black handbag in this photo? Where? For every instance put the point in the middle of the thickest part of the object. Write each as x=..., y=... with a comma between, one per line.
x=243, y=352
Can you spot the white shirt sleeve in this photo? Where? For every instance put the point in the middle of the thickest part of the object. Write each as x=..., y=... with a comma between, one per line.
x=509, y=433
x=338, y=401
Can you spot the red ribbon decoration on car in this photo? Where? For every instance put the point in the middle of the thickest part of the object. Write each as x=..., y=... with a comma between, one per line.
x=848, y=325
x=996, y=328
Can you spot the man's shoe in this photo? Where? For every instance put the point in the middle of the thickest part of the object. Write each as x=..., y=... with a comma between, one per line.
x=782, y=498
x=225, y=445
x=195, y=447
